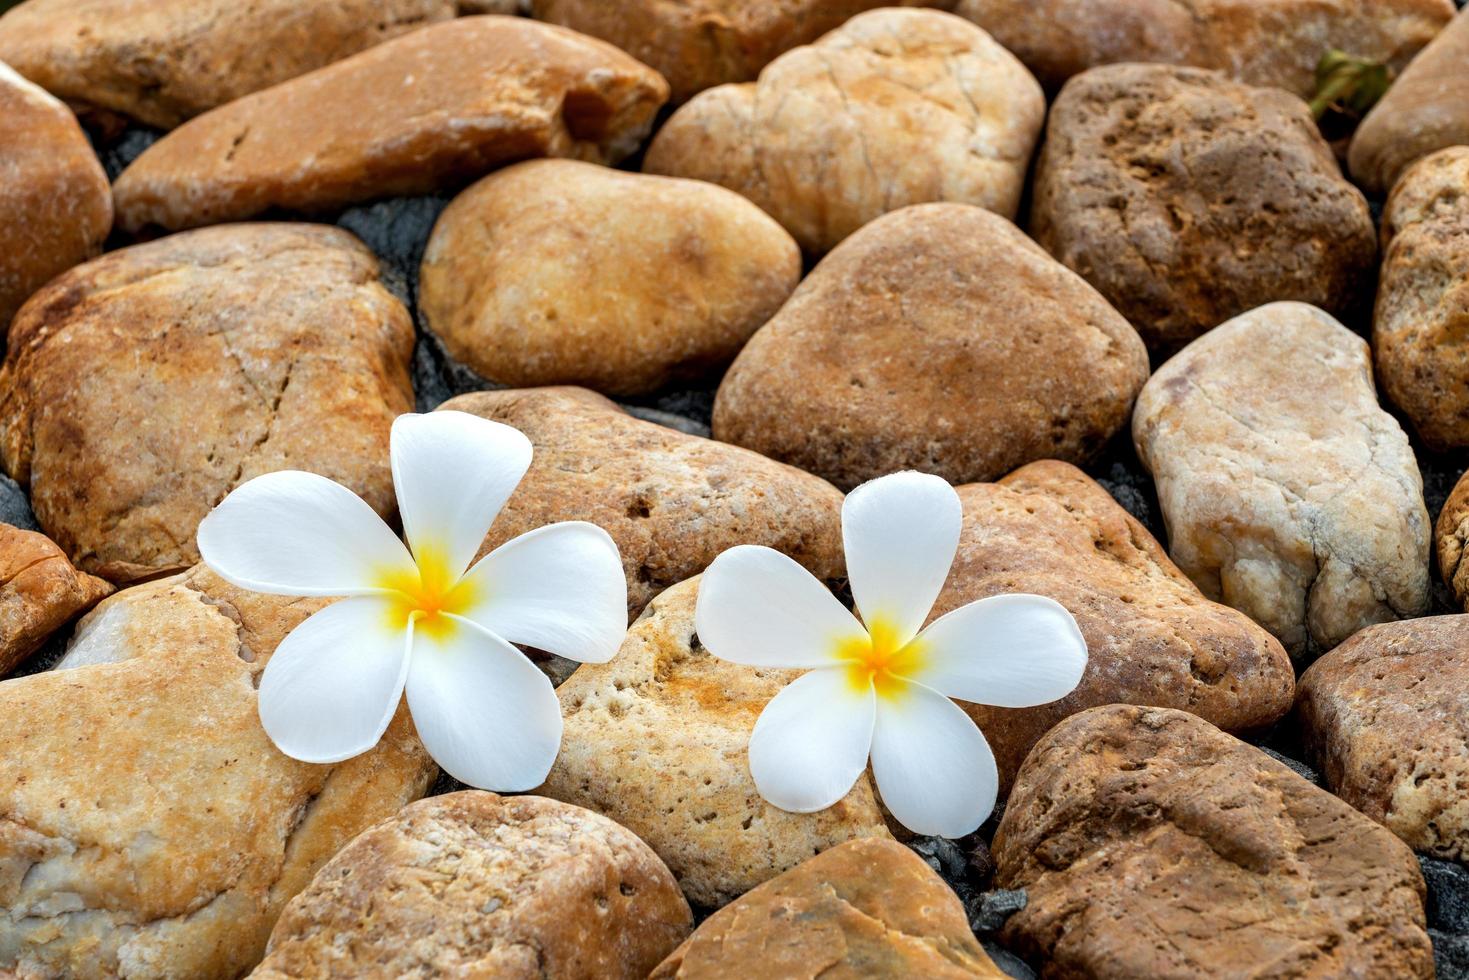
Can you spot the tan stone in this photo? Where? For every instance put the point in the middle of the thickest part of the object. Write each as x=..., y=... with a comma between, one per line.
x=656, y=740
x=1186, y=198
x=937, y=338
x=148, y=827
x=1386, y=717
x=671, y=502
x=867, y=908
x=560, y=272
x=1261, y=42
x=1289, y=493
x=1151, y=638
x=474, y=884
x=421, y=113
x=1451, y=534
x=39, y=593
x=895, y=107
x=1151, y=844
x=143, y=386
x=55, y=203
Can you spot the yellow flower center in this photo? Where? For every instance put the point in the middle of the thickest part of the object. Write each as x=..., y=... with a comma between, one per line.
x=423, y=593
x=877, y=661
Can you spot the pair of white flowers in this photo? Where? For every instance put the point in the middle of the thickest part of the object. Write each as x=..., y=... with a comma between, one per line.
x=423, y=619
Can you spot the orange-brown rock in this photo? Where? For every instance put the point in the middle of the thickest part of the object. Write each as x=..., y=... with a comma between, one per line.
x=1151, y=844
x=143, y=386
x=937, y=338
x=1451, y=539
x=474, y=884
x=55, y=204
x=1151, y=638
x=868, y=908
x=424, y=112
x=672, y=502
x=40, y=592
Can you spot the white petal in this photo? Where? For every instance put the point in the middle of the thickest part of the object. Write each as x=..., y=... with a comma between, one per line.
x=900, y=533
x=294, y=533
x=758, y=607
x=559, y=588
x=333, y=684
x=485, y=713
x=1013, y=651
x=453, y=472
x=811, y=742
x=933, y=768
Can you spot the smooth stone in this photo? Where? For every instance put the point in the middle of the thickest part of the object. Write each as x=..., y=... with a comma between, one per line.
x=474, y=884
x=895, y=107
x=421, y=113
x=1152, y=844
x=40, y=592
x=938, y=338
x=562, y=272
x=1289, y=493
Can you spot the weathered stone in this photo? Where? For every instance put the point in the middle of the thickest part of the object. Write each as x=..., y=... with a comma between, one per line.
x=143, y=386
x=148, y=827
x=1289, y=493
x=1186, y=198
x=15, y=509
x=1151, y=637
x=39, y=593
x=437, y=107
x=867, y=908
x=937, y=338
x=1261, y=42
x=1151, y=844
x=896, y=107
x=656, y=740
x=671, y=502
x=1451, y=537
x=522, y=887
x=55, y=203
x=561, y=272
x=1426, y=109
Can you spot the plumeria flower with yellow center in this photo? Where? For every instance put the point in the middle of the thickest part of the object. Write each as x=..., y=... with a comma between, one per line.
x=419, y=618
x=880, y=687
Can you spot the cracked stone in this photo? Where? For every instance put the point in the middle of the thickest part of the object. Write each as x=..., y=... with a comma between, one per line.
x=40, y=592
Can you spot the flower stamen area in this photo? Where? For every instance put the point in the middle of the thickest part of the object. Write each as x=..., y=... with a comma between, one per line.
x=419, y=595
x=876, y=660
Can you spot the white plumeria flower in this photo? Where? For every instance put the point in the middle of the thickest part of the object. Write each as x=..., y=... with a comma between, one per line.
x=882, y=689
x=422, y=620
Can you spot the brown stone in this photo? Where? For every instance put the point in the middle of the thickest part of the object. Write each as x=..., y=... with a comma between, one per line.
x=671, y=502
x=1186, y=198
x=432, y=109
x=937, y=338
x=656, y=740
x=143, y=386
x=1386, y=718
x=39, y=593
x=148, y=826
x=868, y=908
x=1151, y=637
x=1151, y=844
x=55, y=203
x=1451, y=536
x=521, y=887
x=561, y=272
x=895, y=107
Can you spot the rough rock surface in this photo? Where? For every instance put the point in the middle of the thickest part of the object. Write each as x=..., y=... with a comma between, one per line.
x=1186, y=198
x=672, y=502
x=474, y=884
x=1261, y=42
x=1151, y=844
x=656, y=740
x=158, y=832
x=1386, y=716
x=896, y=107
x=143, y=386
x=867, y=908
x=15, y=509
x=55, y=203
x=561, y=272
x=1420, y=332
x=435, y=108
x=937, y=338
x=1426, y=109
x=1151, y=637
x=1451, y=539
x=39, y=593
x=1289, y=493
